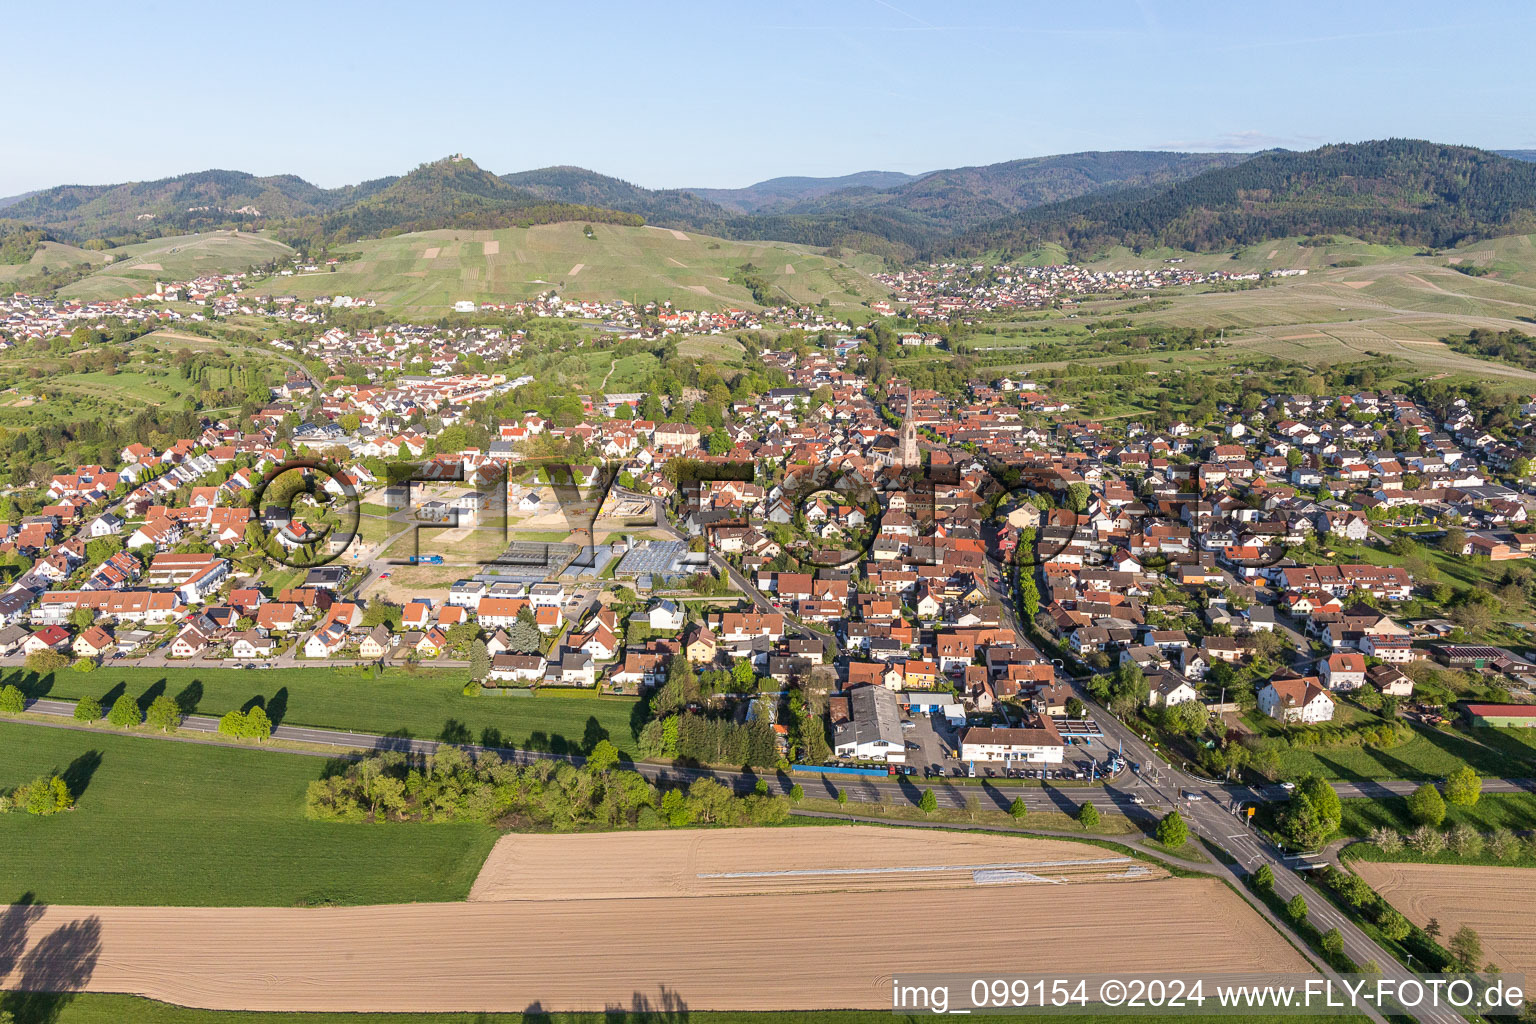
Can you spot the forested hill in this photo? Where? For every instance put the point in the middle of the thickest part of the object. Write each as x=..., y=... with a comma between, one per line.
x=1389, y=191
x=187, y=202
x=449, y=193
x=945, y=202
x=776, y=193
x=666, y=207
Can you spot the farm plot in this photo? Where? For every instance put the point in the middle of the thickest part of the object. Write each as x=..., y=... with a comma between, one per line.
x=1496, y=902
x=623, y=865
x=702, y=952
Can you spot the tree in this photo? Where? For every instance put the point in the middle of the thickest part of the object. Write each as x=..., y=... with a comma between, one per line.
x=1393, y=925
x=82, y=619
x=1454, y=540
x=603, y=757
x=1088, y=815
x=1332, y=942
x=1076, y=708
x=1466, y=947
x=1187, y=717
x=927, y=802
x=1426, y=805
x=87, y=709
x=479, y=660
x=1463, y=787
x=1016, y=810
x=258, y=726
x=1171, y=831
x=232, y=724
x=797, y=792
x=742, y=675
x=1296, y=910
x=1029, y=598
x=1264, y=878
x=164, y=713
x=12, y=700
x=842, y=798
x=125, y=712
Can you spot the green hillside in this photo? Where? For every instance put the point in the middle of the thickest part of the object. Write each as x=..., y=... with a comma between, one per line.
x=134, y=269
x=427, y=272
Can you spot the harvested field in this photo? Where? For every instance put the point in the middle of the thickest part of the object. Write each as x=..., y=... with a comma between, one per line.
x=621, y=865
x=509, y=956
x=431, y=254
x=700, y=940
x=576, y=270
x=492, y=248
x=1496, y=902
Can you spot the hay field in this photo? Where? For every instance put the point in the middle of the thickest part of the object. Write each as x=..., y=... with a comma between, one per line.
x=774, y=943
x=1496, y=902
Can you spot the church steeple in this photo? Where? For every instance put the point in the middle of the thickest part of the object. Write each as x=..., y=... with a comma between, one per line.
x=910, y=456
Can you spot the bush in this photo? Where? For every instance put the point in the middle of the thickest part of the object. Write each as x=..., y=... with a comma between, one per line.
x=45, y=662
x=1503, y=844
x=125, y=712
x=1387, y=839
x=1466, y=841
x=1426, y=840
x=12, y=701
x=87, y=709
x=1426, y=805
x=42, y=796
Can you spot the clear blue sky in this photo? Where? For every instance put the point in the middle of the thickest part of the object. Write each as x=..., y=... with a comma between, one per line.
x=727, y=93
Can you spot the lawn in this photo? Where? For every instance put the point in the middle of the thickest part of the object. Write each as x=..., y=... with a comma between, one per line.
x=196, y=825
x=425, y=704
x=1431, y=754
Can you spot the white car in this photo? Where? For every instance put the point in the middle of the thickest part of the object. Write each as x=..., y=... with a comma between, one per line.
x=909, y=725
x=1138, y=800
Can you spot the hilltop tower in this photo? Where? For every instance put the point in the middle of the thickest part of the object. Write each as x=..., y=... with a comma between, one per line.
x=909, y=453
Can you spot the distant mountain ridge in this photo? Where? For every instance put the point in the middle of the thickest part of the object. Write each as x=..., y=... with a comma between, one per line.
x=1397, y=190
x=782, y=191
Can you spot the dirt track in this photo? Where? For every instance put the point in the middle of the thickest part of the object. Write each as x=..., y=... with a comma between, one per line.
x=569, y=939
x=1496, y=902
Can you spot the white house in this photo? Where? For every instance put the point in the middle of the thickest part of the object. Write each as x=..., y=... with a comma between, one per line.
x=1042, y=745
x=1296, y=700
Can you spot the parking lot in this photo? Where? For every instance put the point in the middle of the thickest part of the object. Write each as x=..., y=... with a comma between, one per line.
x=936, y=743
x=933, y=748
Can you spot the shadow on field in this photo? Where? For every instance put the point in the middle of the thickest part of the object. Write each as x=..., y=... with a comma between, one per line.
x=667, y=1008
x=148, y=696
x=43, y=979
x=80, y=772
x=190, y=696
